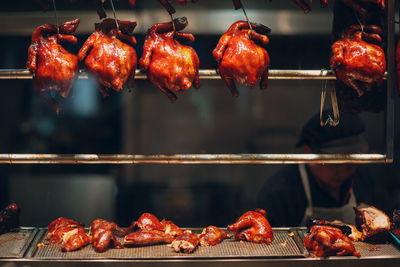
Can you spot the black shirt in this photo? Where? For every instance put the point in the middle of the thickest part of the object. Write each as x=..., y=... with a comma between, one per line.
x=284, y=199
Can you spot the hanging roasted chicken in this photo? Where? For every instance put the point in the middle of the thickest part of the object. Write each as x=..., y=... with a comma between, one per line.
x=169, y=65
x=240, y=57
x=52, y=66
x=253, y=226
x=102, y=233
x=109, y=56
x=357, y=58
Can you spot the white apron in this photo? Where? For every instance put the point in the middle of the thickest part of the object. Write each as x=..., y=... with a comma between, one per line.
x=344, y=213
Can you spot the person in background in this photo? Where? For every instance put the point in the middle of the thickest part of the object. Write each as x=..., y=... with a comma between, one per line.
x=297, y=193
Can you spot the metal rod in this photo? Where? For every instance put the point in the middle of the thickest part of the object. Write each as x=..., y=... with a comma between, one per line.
x=192, y=159
x=207, y=74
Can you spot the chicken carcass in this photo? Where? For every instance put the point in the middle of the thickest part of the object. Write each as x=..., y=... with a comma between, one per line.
x=240, y=58
x=102, y=234
x=52, y=66
x=186, y=242
x=303, y=4
x=148, y=237
x=324, y=241
x=252, y=226
x=374, y=223
x=211, y=236
x=9, y=218
x=169, y=65
x=359, y=63
x=108, y=55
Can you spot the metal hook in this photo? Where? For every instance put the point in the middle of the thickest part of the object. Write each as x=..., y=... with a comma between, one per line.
x=359, y=21
x=56, y=15
x=335, y=107
x=173, y=23
x=245, y=14
x=115, y=16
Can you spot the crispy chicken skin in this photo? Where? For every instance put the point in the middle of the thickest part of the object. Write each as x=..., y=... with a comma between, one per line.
x=324, y=241
x=147, y=237
x=240, y=58
x=169, y=65
x=359, y=63
x=102, y=234
x=186, y=242
x=252, y=226
x=52, y=66
x=109, y=56
x=211, y=236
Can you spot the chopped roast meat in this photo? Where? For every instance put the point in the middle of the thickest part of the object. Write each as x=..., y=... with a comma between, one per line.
x=324, y=241
x=9, y=218
x=102, y=234
x=169, y=65
x=211, y=236
x=147, y=237
x=109, y=56
x=253, y=226
x=240, y=58
x=186, y=242
x=374, y=223
x=52, y=66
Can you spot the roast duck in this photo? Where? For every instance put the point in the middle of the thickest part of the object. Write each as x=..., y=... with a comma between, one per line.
x=108, y=55
x=169, y=65
x=241, y=56
x=9, y=218
x=252, y=226
x=52, y=66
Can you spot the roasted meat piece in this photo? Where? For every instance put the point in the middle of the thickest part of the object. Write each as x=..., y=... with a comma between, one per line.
x=59, y=223
x=186, y=242
x=240, y=58
x=347, y=229
x=211, y=236
x=149, y=222
x=252, y=226
x=324, y=241
x=109, y=56
x=147, y=237
x=303, y=4
x=374, y=223
x=169, y=65
x=359, y=63
x=75, y=239
x=102, y=234
x=9, y=218
x=52, y=66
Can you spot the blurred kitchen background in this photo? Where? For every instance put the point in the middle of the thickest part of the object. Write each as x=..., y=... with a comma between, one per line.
x=144, y=121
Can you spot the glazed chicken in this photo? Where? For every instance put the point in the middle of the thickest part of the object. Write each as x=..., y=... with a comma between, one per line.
x=149, y=222
x=211, y=236
x=373, y=223
x=147, y=237
x=303, y=4
x=324, y=241
x=169, y=65
x=347, y=229
x=252, y=226
x=59, y=223
x=75, y=239
x=109, y=56
x=240, y=58
x=102, y=234
x=186, y=242
x=9, y=218
x=359, y=63
x=52, y=66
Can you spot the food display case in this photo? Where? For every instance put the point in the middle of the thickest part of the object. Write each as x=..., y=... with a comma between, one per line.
x=133, y=137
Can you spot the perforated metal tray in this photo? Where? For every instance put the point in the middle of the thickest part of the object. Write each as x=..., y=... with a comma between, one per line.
x=14, y=244
x=283, y=246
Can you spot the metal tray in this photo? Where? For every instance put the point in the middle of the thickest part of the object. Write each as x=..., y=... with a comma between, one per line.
x=14, y=244
x=283, y=246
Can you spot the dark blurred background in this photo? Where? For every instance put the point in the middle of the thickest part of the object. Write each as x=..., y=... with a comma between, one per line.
x=144, y=121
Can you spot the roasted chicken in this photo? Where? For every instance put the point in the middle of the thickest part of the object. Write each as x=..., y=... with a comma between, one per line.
x=211, y=236
x=303, y=4
x=169, y=65
x=252, y=226
x=347, y=229
x=102, y=234
x=373, y=223
x=59, y=223
x=9, y=218
x=324, y=241
x=186, y=242
x=148, y=237
x=358, y=61
x=75, y=239
x=149, y=222
x=240, y=58
x=52, y=66
x=109, y=56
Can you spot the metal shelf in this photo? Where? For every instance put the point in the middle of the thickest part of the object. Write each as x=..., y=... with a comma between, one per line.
x=206, y=74
x=192, y=159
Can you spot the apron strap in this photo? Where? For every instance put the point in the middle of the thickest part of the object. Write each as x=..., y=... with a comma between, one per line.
x=307, y=190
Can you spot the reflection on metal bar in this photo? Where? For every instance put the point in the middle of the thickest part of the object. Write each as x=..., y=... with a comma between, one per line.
x=11, y=74
x=192, y=159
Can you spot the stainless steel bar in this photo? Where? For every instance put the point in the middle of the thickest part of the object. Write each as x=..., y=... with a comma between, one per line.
x=209, y=74
x=192, y=159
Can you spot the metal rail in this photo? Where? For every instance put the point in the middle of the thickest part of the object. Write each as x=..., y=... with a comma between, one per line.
x=209, y=74
x=192, y=159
